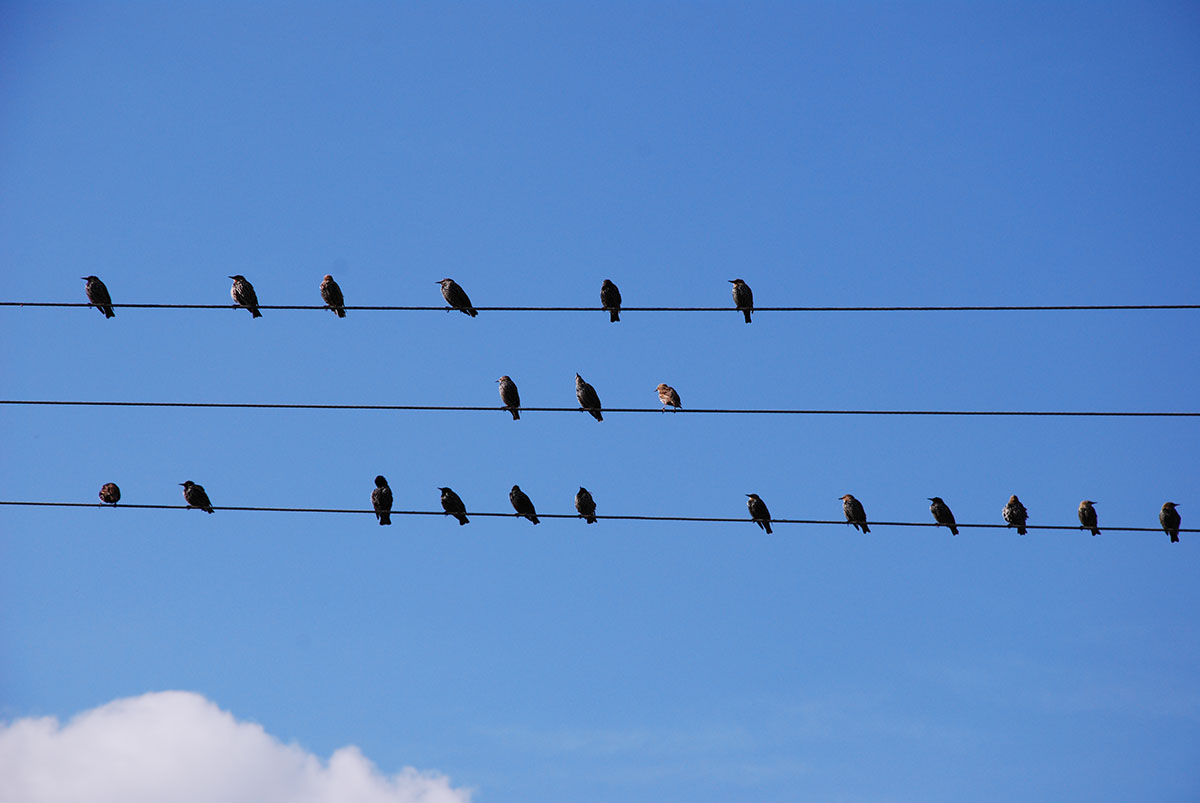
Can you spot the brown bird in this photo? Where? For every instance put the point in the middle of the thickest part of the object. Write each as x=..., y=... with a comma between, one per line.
x=195, y=496
x=97, y=294
x=743, y=297
x=510, y=396
x=610, y=299
x=110, y=494
x=588, y=399
x=585, y=505
x=522, y=504
x=453, y=505
x=381, y=500
x=243, y=295
x=758, y=512
x=1169, y=518
x=332, y=296
x=457, y=297
x=668, y=396
x=1016, y=514
x=941, y=514
x=854, y=513
x=1087, y=516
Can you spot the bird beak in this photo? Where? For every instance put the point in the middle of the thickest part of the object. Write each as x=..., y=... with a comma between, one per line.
x=181, y=483
x=732, y=281
x=230, y=277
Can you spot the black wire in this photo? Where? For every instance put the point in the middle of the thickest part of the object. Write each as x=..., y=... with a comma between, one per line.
x=729, y=309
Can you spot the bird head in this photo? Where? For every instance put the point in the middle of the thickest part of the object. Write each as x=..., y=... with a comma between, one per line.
x=328, y=278
x=380, y=481
x=937, y=500
x=187, y=484
x=87, y=278
x=237, y=277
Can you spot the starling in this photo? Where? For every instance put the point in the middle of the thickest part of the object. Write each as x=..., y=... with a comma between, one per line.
x=457, y=297
x=244, y=296
x=97, y=294
x=586, y=505
x=588, y=399
x=110, y=494
x=1087, y=516
x=759, y=512
x=743, y=297
x=195, y=496
x=381, y=500
x=510, y=396
x=522, y=504
x=610, y=299
x=1016, y=514
x=941, y=514
x=332, y=295
x=1168, y=517
x=854, y=513
x=668, y=396
x=454, y=506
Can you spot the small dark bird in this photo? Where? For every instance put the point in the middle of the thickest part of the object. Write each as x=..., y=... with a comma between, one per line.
x=586, y=505
x=588, y=399
x=759, y=512
x=454, y=506
x=941, y=514
x=854, y=513
x=381, y=500
x=195, y=496
x=97, y=294
x=510, y=396
x=244, y=296
x=668, y=396
x=522, y=504
x=457, y=297
x=110, y=494
x=1168, y=517
x=1087, y=516
x=743, y=297
x=332, y=296
x=610, y=299
x=1016, y=514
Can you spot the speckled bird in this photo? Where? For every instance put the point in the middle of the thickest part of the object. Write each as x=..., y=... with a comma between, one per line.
x=1016, y=514
x=381, y=500
x=509, y=396
x=1087, y=516
x=456, y=297
x=668, y=397
x=758, y=512
x=454, y=506
x=195, y=496
x=110, y=494
x=743, y=297
x=610, y=299
x=1169, y=518
x=585, y=505
x=854, y=513
x=97, y=294
x=941, y=514
x=331, y=294
x=522, y=504
x=243, y=295
x=588, y=399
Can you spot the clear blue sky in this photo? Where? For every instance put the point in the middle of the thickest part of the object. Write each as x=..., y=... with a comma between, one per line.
x=859, y=153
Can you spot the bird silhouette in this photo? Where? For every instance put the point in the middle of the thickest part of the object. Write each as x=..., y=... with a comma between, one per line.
x=97, y=294
x=1170, y=520
x=585, y=505
x=1016, y=514
x=510, y=396
x=110, y=494
x=331, y=294
x=588, y=399
x=522, y=504
x=759, y=512
x=457, y=297
x=854, y=513
x=668, y=397
x=1087, y=516
x=743, y=297
x=941, y=514
x=381, y=500
x=454, y=506
x=243, y=295
x=195, y=496
x=610, y=299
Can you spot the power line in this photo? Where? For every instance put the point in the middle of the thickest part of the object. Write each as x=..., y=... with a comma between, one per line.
x=729, y=309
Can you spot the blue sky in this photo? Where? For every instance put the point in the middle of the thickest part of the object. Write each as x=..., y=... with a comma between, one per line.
x=830, y=154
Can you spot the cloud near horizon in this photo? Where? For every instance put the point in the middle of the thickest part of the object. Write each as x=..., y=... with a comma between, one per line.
x=179, y=747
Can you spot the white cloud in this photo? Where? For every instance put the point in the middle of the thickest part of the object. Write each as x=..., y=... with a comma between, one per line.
x=178, y=747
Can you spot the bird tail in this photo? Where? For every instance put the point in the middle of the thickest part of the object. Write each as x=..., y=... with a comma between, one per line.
x=1095, y=531
x=534, y=519
x=767, y=527
x=254, y=313
x=471, y=311
x=341, y=313
x=208, y=510
x=1175, y=537
x=746, y=312
x=953, y=530
x=1021, y=530
x=108, y=312
x=516, y=416
x=865, y=528
x=614, y=315
x=596, y=415
x=462, y=519
x=385, y=518
x=591, y=519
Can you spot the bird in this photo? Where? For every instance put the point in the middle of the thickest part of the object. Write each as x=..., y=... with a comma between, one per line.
x=98, y=295
x=510, y=396
x=941, y=514
x=195, y=496
x=743, y=297
x=522, y=504
x=332, y=295
x=454, y=506
x=588, y=399
x=1016, y=514
x=1168, y=517
x=585, y=505
x=457, y=297
x=668, y=396
x=1087, y=516
x=381, y=500
x=854, y=513
x=610, y=298
x=244, y=296
x=110, y=494
x=759, y=512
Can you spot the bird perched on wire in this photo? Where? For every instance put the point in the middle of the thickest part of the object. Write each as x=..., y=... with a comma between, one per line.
x=243, y=295
x=457, y=297
x=1087, y=516
x=941, y=514
x=510, y=396
x=759, y=512
x=97, y=294
x=854, y=513
x=668, y=397
x=743, y=297
x=585, y=505
x=381, y=500
x=610, y=299
x=454, y=506
x=1169, y=518
x=110, y=494
x=588, y=399
x=195, y=496
x=331, y=294
x=522, y=504
x=1016, y=514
